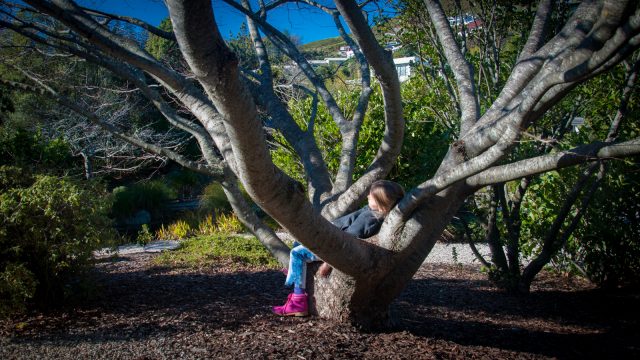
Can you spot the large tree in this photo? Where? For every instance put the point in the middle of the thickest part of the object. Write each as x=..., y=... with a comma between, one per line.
x=226, y=106
x=489, y=50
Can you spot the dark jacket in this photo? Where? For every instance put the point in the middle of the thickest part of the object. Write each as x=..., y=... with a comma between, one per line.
x=362, y=223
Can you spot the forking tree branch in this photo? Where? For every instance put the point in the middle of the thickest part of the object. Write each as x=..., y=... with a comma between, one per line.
x=216, y=68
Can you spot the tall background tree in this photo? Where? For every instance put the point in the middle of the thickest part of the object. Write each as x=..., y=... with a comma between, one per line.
x=225, y=106
x=525, y=231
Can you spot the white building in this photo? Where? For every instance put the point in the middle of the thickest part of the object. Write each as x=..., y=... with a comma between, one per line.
x=405, y=67
x=346, y=51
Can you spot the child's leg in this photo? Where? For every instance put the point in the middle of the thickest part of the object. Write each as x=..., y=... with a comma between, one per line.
x=298, y=258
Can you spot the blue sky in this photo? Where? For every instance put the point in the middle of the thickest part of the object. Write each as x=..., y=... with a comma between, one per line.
x=309, y=24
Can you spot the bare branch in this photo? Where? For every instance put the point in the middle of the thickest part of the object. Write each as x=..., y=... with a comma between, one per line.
x=150, y=28
x=462, y=70
x=216, y=68
x=46, y=90
x=559, y=160
x=538, y=29
x=315, y=168
x=285, y=45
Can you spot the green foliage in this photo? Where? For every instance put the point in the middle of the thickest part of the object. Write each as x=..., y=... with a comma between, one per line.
x=229, y=224
x=150, y=195
x=427, y=138
x=214, y=199
x=207, y=226
x=415, y=160
x=48, y=232
x=144, y=235
x=242, y=45
x=14, y=177
x=604, y=246
x=161, y=48
x=209, y=250
x=17, y=287
x=30, y=150
x=541, y=203
x=180, y=229
x=608, y=242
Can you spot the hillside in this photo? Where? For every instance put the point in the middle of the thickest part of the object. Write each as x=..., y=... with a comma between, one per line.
x=329, y=47
x=324, y=48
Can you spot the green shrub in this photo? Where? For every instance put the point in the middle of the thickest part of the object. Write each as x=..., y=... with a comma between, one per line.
x=151, y=196
x=229, y=224
x=163, y=234
x=144, y=235
x=17, y=286
x=30, y=149
x=49, y=230
x=180, y=229
x=207, y=226
x=14, y=177
x=214, y=200
x=207, y=250
x=607, y=243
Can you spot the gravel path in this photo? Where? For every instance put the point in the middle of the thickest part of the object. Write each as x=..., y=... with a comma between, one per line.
x=442, y=253
x=451, y=254
x=455, y=254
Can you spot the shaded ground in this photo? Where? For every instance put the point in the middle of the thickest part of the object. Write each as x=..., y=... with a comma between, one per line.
x=145, y=312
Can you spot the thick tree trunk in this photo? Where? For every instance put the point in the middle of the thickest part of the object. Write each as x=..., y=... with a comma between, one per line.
x=341, y=298
x=365, y=301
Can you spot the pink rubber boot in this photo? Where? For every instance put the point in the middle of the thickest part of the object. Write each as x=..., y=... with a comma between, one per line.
x=296, y=305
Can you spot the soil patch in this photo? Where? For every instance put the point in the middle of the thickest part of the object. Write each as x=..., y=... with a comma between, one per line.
x=448, y=311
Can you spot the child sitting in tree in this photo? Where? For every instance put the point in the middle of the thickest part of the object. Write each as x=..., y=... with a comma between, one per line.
x=362, y=223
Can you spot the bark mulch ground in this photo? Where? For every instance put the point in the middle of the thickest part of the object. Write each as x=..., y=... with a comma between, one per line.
x=447, y=312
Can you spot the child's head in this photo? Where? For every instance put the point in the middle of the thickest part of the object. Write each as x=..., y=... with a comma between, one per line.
x=385, y=195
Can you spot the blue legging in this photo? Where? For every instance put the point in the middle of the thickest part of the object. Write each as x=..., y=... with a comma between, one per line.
x=299, y=256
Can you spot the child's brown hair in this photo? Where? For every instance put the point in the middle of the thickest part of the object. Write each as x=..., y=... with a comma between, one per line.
x=387, y=194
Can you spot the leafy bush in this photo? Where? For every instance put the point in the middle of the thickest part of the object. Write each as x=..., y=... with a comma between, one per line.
x=207, y=226
x=30, y=149
x=151, y=196
x=180, y=229
x=144, y=235
x=163, y=234
x=607, y=243
x=422, y=127
x=48, y=232
x=214, y=200
x=229, y=224
x=17, y=286
x=14, y=177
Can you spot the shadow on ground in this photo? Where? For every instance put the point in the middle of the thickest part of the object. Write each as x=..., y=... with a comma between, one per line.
x=224, y=312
